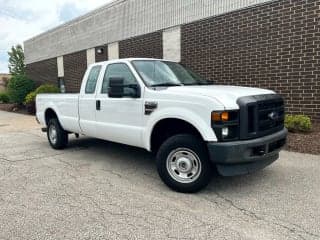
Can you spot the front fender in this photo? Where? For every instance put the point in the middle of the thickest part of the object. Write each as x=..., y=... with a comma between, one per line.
x=192, y=118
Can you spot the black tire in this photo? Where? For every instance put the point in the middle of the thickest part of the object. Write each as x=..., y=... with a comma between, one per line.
x=61, y=140
x=184, y=144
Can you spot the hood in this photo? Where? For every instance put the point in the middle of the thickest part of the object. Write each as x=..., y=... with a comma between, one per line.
x=227, y=95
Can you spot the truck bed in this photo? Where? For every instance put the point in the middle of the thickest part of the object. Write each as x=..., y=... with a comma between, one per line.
x=66, y=107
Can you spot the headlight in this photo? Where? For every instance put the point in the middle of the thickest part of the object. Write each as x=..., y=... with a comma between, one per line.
x=226, y=125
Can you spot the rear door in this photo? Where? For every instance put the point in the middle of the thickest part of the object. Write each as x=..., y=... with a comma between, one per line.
x=87, y=101
x=120, y=119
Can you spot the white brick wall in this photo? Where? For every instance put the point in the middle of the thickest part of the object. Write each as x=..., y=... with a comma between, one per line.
x=172, y=44
x=123, y=19
x=60, y=66
x=113, y=51
x=91, y=56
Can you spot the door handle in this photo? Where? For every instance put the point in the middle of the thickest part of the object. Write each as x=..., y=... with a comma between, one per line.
x=98, y=105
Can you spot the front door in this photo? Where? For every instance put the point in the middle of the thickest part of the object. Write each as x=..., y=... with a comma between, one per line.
x=119, y=119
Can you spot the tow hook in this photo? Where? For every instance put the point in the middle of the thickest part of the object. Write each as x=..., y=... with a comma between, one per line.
x=259, y=151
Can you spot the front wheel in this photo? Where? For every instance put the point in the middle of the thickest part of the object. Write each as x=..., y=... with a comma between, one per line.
x=57, y=136
x=183, y=163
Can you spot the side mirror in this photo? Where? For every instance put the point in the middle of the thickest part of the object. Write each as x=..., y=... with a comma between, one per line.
x=116, y=87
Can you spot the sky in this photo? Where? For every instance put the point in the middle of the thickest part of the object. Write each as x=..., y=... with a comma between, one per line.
x=21, y=20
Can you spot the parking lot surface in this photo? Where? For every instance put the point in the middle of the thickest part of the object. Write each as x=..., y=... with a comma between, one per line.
x=101, y=190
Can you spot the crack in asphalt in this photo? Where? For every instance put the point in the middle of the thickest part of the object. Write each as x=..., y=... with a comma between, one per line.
x=296, y=229
x=113, y=173
x=28, y=159
x=6, y=159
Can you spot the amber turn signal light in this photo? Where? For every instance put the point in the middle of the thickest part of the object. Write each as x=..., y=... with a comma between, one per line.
x=217, y=116
x=225, y=116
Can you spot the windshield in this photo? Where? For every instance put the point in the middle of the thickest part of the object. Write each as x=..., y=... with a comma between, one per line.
x=157, y=73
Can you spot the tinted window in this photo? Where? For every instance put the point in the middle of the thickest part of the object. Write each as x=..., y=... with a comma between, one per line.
x=118, y=70
x=92, y=79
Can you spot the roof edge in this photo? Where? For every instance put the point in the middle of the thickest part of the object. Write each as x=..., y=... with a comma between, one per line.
x=82, y=17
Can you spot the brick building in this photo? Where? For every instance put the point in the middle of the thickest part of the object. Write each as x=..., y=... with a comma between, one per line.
x=4, y=79
x=261, y=43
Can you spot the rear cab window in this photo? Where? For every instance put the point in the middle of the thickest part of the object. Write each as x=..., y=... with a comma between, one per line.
x=92, y=79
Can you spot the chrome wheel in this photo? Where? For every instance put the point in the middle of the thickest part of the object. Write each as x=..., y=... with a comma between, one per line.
x=53, y=134
x=184, y=165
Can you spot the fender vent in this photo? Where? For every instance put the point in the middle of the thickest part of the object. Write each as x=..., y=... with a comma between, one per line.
x=149, y=107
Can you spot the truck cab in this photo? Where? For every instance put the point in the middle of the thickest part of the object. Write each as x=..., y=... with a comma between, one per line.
x=188, y=122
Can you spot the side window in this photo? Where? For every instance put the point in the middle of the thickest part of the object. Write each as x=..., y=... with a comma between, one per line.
x=120, y=70
x=92, y=79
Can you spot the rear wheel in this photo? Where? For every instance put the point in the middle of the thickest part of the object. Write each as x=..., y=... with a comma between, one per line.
x=183, y=163
x=57, y=136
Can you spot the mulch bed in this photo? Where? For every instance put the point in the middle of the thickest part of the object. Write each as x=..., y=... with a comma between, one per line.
x=305, y=142
x=7, y=106
x=10, y=107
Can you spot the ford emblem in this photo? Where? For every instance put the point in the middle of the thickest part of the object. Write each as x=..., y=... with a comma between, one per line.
x=273, y=116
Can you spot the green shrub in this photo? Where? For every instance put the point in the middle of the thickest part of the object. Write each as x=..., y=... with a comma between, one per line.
x=298, y=123
x=18, y=88
x=4, y=97
x=46, y=88
x=30, y=97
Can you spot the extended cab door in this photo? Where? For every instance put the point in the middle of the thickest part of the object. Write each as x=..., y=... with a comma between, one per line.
x=87, y=101
x=119, y=119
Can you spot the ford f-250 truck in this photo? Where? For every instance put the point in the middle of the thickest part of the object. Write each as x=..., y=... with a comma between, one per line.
x=166, y=108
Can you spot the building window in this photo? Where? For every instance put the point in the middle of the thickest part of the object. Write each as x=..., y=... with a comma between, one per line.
x=61, y=85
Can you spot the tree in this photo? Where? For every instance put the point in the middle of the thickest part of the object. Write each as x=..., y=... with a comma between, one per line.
x=16, y=60
x=18, y=88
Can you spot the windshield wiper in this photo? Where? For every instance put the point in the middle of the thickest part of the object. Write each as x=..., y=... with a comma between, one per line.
x=168, y=84
x=204, y=82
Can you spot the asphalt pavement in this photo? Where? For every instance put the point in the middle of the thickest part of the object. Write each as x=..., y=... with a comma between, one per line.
x=100, y=190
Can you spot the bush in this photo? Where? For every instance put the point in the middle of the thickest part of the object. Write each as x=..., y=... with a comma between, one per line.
x=46, y=88
x=4, y=98
x=18, y=87
x=31, y=97
x=298, y=123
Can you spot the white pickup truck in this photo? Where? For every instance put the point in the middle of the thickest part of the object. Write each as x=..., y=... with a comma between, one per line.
x=163, y=107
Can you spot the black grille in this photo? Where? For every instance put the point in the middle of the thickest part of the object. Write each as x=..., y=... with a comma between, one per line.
x=261, y=115
x=270, y=114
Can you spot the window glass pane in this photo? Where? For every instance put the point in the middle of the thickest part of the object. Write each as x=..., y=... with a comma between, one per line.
x=92, y=79
x=166, y=73
x=147, y=70
x=118, y=70
x=62, y=86
x=182, y=73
